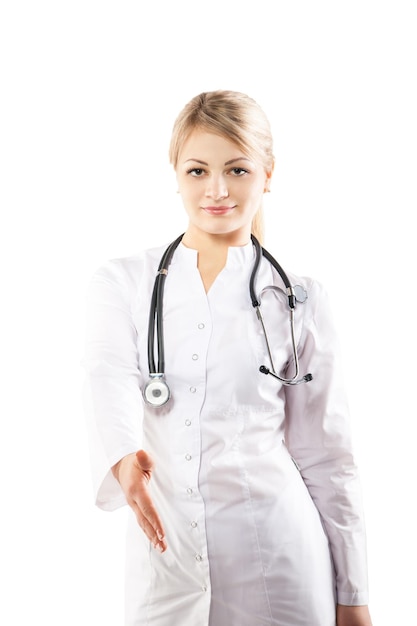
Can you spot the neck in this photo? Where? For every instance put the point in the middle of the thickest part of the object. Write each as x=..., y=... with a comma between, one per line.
x=214, y=243
x=212, y=252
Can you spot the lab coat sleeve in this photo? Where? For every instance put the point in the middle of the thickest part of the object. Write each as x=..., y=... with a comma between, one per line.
x=111, y=394
x=318, y=436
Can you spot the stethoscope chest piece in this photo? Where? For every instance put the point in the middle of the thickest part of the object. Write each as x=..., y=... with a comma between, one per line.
x=156, y=392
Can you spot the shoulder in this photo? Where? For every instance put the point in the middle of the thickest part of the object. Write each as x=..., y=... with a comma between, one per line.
x=120, y=281
x=128, y=271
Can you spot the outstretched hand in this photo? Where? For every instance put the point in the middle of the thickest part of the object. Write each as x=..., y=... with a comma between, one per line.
x=134, y=472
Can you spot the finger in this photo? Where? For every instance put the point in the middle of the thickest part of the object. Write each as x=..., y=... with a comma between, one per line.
x=148, y=515
x=153, y=530
x=151, y=517
x=144, y=460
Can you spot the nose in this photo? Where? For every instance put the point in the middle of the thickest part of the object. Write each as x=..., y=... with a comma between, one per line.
x=216, y=188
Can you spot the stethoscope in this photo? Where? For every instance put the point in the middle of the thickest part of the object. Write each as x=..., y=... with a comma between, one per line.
x=157, y=392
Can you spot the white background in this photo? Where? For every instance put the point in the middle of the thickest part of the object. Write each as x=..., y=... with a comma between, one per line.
x=89, y=93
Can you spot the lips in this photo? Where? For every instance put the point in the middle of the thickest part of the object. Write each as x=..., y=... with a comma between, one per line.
x=217, y=210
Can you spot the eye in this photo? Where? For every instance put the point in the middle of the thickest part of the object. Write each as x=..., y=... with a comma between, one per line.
x=239, y=171
x=195, y=171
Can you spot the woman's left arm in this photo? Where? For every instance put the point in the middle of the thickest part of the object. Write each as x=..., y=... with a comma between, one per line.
x=353, y=616
x=319, y=439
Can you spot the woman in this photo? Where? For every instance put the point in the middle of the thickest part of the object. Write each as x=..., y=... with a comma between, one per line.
x=245, y=506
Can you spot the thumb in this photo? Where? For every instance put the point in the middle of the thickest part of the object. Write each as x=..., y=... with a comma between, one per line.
x=144, y=460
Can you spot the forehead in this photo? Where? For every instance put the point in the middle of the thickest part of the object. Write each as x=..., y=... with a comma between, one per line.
x=200, y=142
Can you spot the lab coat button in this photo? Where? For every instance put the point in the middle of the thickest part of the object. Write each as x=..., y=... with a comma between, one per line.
x=188, y=457
x=203, y=588
x=198, y=558
x=195, y=357
x=189, y=491
x=194, y=524
x=188, y=422
x=192, y=390
x=201, y=326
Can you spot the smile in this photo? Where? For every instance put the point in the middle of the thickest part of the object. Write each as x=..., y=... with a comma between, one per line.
x=217, y=210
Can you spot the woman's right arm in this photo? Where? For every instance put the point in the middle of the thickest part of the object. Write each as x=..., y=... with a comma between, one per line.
x=112, y=397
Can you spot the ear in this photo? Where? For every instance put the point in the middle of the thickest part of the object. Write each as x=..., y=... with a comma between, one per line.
x=268, y=178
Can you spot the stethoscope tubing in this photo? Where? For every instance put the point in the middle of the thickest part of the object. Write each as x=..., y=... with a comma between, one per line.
x=156, y=311
x=259, y=252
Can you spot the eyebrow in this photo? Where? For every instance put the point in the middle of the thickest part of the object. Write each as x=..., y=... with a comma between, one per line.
x=227, y=162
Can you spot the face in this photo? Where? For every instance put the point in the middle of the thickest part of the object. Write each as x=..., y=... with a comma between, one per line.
x=221, y=187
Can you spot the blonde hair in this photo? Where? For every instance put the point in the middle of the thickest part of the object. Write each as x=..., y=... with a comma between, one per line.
x=233, y=115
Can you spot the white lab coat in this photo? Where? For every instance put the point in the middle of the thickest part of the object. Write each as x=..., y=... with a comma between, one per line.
x=255, y=482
